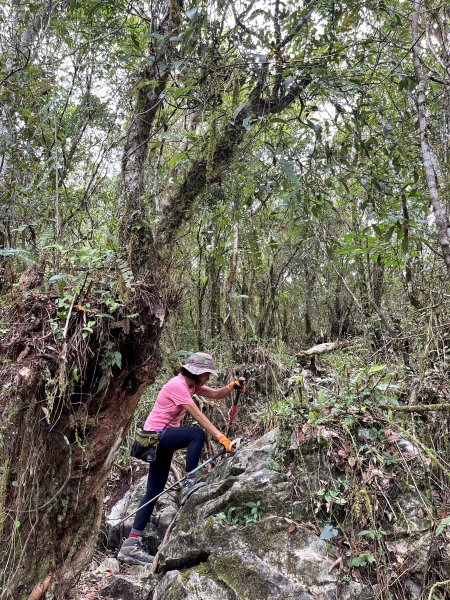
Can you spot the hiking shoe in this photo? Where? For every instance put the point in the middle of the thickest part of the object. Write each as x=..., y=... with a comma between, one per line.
x=132, y=553
x=188, y=487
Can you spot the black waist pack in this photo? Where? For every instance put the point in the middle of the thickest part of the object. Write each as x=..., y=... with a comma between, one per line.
x=145, y=445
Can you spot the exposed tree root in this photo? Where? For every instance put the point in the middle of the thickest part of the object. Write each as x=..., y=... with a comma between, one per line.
x=40, y=588
x=436, y=585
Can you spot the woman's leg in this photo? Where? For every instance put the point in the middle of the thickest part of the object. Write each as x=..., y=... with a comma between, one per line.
x=172, y=439
x=191, y=438
x=157, y=478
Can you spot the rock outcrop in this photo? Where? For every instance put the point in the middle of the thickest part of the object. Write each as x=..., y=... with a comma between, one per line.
x=242, y=534
x=234, y=539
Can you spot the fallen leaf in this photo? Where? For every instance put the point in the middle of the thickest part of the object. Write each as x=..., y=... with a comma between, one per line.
x=292, y=527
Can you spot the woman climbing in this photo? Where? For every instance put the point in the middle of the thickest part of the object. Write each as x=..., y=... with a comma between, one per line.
x=172, y=403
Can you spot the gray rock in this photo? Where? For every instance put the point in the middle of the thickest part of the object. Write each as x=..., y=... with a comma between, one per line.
x=123, y=588
x=355, y=591
x=414, y=549
x=192, y=585
x=414, y=589
x=255, y=556
x=109, y=565
x=412, y=513
x=250, y=577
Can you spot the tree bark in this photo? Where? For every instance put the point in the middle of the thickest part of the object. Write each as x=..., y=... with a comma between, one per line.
x=59, y=438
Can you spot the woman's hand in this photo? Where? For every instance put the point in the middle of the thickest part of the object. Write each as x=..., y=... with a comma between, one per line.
x=225, y=442
x=238, y=384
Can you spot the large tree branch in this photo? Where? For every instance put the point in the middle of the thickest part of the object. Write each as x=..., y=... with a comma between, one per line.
x=180, y=205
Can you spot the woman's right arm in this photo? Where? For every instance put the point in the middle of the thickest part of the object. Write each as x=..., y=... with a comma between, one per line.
x=201, y=419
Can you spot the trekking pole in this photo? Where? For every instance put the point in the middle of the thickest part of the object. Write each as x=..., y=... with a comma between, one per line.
x=235, y=443
x=234, y=407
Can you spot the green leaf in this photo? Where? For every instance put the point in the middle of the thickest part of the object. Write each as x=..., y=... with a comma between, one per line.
x=378, y=230
x=102, y=383
x=389, y=232
x=361, y=561
x=442, y=525
x=146, y=82
x=117, y=359
x=367, y=533
x=176, y=159
x=178, y=91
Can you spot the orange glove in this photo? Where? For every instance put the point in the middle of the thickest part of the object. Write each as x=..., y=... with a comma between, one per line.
x=225, y=442
x=238, y=384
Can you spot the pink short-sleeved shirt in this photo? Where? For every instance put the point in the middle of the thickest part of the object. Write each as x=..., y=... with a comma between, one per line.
x=168, y=410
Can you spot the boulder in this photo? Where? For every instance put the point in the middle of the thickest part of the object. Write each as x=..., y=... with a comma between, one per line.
x=254, y=555
x=260, y=560
x=235, y=537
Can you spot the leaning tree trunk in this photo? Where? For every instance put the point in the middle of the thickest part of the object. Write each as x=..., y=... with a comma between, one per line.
x=59, y=435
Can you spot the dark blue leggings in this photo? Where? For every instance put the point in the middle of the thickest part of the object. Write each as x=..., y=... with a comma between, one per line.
x=172, y=439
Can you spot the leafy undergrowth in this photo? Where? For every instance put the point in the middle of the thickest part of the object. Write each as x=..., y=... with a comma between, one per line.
x=374, y=480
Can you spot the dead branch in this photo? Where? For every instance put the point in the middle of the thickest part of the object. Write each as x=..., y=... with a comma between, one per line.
x=323, y=348
x=420, y=408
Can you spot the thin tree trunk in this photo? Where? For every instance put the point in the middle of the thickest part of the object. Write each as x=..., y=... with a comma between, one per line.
x=408, y=263
x=427, y=153
x=229, y=302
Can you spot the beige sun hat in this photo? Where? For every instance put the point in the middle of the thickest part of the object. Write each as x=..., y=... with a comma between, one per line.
x=199, y=363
